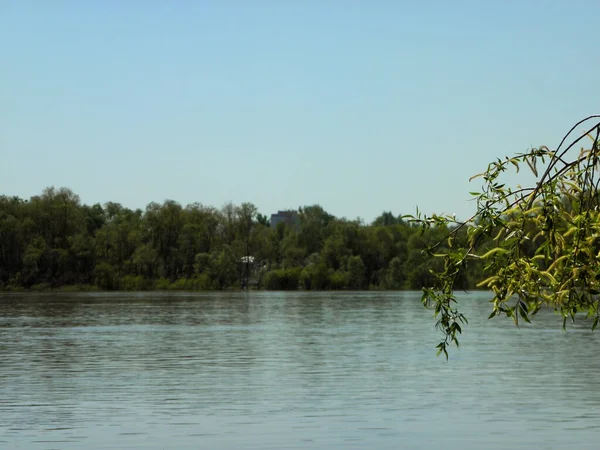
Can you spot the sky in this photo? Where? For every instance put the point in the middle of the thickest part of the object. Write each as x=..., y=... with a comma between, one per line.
x=358, y=106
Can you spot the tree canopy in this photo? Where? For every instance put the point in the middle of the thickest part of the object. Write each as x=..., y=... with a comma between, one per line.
x=535, y=245
x=52, y=240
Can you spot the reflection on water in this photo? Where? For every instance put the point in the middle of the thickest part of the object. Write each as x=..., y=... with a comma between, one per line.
x=286, y=370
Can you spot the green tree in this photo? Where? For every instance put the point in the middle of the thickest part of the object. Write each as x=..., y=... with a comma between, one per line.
x=224, y=267
x=83, y=250
x=144, y=259
x=395, y=275
x=32, y=259
x=356, y=272
x=313, y=221
x=263, y=220
x=386, y=219
x=245, y=215
x=165, y=223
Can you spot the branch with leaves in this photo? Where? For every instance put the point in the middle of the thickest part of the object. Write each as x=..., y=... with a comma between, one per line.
x=539, y=245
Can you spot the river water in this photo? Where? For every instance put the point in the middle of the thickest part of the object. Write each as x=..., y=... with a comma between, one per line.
x=287, y=371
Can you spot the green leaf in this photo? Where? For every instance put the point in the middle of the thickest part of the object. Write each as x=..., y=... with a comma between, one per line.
x=516, y=164
x=523, y=314
x=441, y=348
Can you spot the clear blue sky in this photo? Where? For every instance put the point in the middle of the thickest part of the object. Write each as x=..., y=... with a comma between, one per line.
x=360, y=106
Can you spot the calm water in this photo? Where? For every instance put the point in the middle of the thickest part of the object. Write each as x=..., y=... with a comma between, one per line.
x=287, y=370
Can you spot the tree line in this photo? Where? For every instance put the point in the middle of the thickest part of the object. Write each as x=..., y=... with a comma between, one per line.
x=52, y=240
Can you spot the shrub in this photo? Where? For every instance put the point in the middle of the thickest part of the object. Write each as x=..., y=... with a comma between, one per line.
x=282, y=279
x=162, y=284
x=339, y=279
x=133, y=283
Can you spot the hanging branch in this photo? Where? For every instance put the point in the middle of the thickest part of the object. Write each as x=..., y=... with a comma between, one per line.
x=540, y=245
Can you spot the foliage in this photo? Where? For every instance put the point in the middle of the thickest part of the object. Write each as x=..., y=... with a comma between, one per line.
x=282, y=279
x=53, y=241
x=533, y=246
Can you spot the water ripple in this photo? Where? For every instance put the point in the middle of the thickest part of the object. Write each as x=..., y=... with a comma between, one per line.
x=293, y=370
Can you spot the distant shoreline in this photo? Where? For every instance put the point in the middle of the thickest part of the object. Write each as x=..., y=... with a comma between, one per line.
x=95, y=289
x=52, y=241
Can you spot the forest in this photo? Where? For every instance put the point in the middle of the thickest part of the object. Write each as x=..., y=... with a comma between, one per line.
x=53, y=241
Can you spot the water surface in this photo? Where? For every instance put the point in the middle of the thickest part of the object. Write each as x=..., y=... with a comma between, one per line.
x=287, y=371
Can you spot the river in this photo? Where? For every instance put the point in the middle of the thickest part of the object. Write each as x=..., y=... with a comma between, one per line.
x=302, y=370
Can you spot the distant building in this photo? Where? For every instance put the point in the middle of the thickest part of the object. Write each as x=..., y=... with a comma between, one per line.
x=290, y=218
